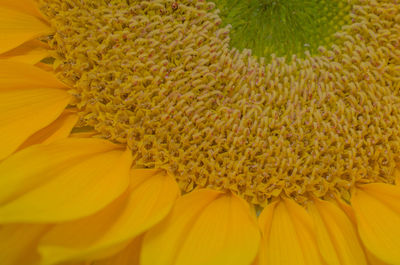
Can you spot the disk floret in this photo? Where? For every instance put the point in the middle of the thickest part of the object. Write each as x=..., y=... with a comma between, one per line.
x=161, y=77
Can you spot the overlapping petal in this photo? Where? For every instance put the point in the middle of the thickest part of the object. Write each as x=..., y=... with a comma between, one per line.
x=148, y=200
x=62, y=181
x=128, y=256
x=19, y=22
x=25, y=111
x=377, y=210
x=30, y=99
x=30, y=52
x=336, y=236
x=349, y=212
x=58, y=129
x=205, y=227
x=18, y=243
x=20, y=75
x=288, y=236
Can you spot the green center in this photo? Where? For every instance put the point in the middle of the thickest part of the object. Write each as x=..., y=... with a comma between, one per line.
x=283, y=27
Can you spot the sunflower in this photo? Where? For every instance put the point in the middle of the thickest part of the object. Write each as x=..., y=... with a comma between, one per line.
x=137, y=132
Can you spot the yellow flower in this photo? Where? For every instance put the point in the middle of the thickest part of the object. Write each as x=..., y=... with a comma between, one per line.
x=132, y=133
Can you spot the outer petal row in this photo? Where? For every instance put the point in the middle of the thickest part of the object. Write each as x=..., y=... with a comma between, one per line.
x=108, y=209
x=30, y=98
x=111, y=229
x=85, y=186
x=66, y=180
x=324, y=234
x=205, y=227
x=146, y=202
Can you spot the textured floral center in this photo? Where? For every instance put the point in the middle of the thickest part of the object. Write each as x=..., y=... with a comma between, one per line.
x=161, y=77
x=283, y=27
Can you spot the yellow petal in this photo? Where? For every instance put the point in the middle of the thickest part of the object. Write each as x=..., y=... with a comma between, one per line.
x=30, y=99
x=205, y=227
x=288, y=236
x=18, y=243
x=17, y=27
x=30, y=52
x=347, y=209
x=25, y=111
x=59, y=129
x=174, y=228
x=72, y=263
x=22, y=75
x=62, y=181
x=25, y=6
x=139, y=175
x=336, y=235
x=377, y=210
x=128, y=256
x=142, y=207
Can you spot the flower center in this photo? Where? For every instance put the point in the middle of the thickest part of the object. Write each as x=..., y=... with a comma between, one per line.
x=283, y=27
x=160, y=76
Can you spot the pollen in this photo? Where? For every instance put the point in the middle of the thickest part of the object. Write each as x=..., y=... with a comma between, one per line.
x=161, y=77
